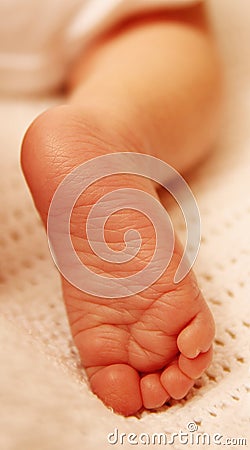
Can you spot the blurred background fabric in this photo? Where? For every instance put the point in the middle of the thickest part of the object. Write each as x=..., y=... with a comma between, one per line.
x=39, y=40
x=45, y=401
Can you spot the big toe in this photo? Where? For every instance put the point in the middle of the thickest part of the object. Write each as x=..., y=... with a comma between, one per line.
x=118, y=386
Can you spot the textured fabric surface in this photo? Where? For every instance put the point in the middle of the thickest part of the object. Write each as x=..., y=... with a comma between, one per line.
x=45, y=401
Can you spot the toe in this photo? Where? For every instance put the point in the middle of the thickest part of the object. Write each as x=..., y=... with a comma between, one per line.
x=176, y=383
x=118, y=386
x=153, y=393
x=194, y=368
x=198, y=335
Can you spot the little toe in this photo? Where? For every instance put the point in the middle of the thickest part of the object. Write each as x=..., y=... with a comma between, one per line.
x=194, y=368
x=176, y=383
x=153, y=393
x=118, y=386
x=197, y=337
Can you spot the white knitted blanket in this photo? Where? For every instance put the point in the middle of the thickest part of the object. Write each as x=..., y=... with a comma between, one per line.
x=45, y=401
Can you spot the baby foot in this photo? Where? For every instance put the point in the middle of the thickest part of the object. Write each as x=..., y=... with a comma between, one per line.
x=140, y=350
